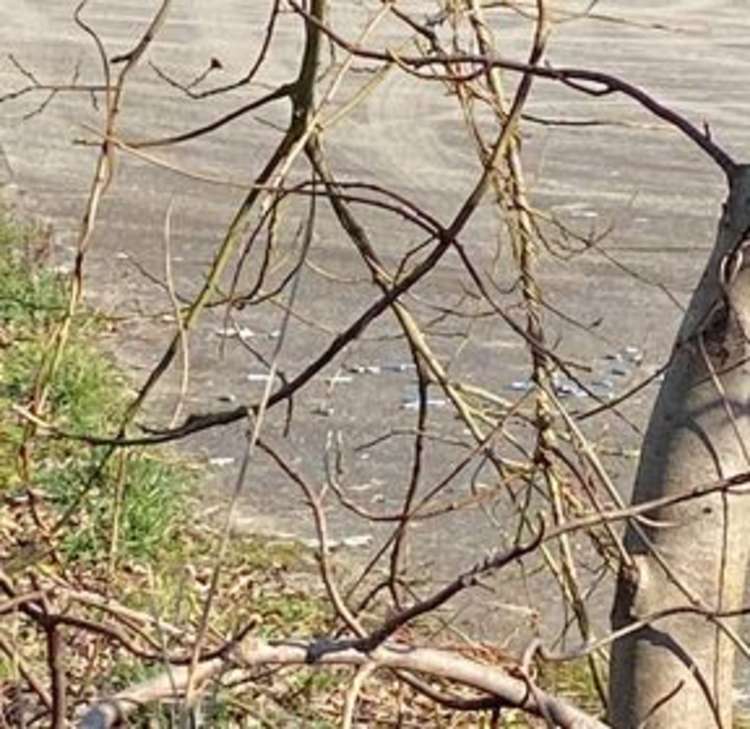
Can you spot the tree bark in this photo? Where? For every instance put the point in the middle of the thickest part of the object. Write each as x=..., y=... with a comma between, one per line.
x=678, y=671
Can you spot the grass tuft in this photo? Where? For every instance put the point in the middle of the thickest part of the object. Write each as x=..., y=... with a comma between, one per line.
x=87, y=395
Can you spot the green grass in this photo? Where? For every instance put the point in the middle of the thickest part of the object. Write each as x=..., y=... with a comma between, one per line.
x=88, y=395
x=147, y=507
x=30, y=297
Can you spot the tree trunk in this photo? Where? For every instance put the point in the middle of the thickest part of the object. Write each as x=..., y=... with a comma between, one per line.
x=677, y=671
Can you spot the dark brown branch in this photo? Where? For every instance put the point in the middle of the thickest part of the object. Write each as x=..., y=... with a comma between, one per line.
x=281, y=92
x=55, y=661
x=468, y=579
x=214, y=64
x=35, y=85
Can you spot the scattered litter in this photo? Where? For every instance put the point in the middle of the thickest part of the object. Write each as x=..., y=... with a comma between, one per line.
x=275, y=334
x=624, y=360
x=357, y=540
x=564, y=387
x=364, y=369
x=396, y=367
x=619, y=364
x=360, y=540
x=324, y=410
x=634, y=355
x=412, y=403
x=221, y=461
x=569, y=389
x=227, y=398
x=338, y=380
x=259, y=377
x=122, y=256
x=399, y=367
x=232, y=332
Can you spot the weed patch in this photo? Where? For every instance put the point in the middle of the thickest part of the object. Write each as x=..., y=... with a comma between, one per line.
x=138, y=499
x=110, y=540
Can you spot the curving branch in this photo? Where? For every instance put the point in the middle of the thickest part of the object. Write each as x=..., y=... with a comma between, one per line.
x=593, y=83
x=508, y=690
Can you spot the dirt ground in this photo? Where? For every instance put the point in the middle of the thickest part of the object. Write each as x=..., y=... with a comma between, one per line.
x=658, y=195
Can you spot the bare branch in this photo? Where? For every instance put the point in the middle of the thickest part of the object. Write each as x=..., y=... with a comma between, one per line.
x=508, y=690
x=593, y=83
